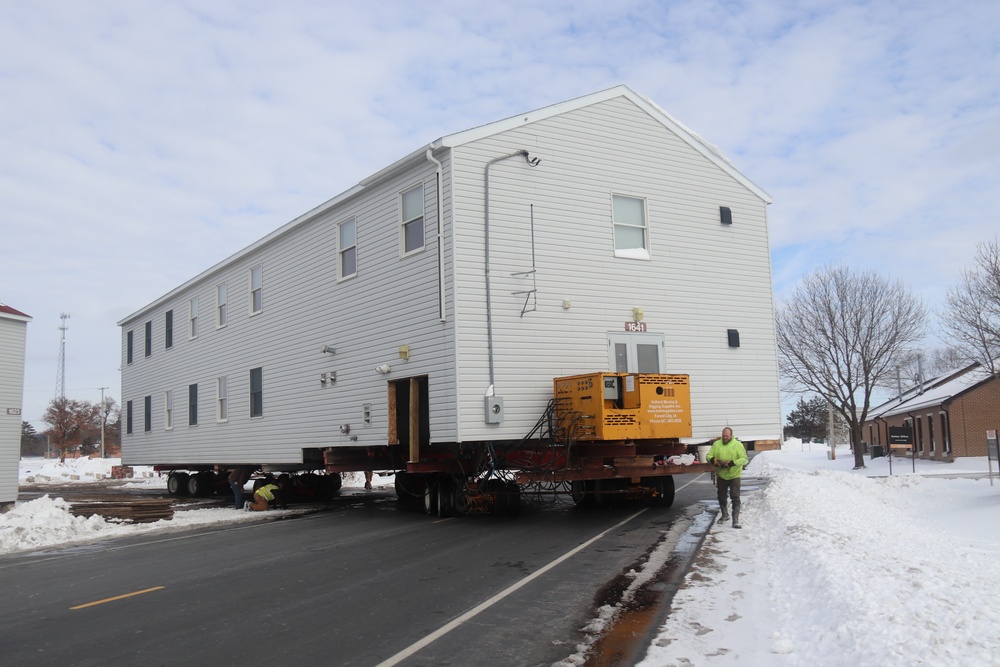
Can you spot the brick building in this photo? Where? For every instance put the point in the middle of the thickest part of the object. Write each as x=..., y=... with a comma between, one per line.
x=949, y=414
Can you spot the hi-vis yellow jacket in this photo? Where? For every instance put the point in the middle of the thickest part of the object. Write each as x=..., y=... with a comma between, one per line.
x=732, y=451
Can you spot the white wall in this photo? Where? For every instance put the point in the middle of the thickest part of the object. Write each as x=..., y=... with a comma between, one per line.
x=12, y=341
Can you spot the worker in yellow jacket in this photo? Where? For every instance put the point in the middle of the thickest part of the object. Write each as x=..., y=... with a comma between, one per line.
x=728, y=455
x=268, y=493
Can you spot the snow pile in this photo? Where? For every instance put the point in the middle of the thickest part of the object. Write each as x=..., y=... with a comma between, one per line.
x=838, y=568
x=37, y=470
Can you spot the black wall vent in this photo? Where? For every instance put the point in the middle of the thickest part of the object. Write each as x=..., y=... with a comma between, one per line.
x=725, y=215
x=734, y=337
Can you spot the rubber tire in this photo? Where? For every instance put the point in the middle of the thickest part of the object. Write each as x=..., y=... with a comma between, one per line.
x=513, y=496
x=431, y=497
x=200, y=484
x=446, y=492
x=580, y=492
x=331, y=485
x=177, y=483
x=665, y=490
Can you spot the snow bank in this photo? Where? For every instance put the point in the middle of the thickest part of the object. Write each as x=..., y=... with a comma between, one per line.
x=836, y=567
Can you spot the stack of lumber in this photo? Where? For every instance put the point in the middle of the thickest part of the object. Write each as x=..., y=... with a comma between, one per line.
x=136, y=511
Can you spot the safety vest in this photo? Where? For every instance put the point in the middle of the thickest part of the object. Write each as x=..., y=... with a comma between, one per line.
x=267, y=492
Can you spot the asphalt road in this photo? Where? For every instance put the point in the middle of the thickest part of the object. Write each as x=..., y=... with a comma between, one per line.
x=363, y=583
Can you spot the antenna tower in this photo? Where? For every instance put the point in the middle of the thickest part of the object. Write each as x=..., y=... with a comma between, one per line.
x=61, y=371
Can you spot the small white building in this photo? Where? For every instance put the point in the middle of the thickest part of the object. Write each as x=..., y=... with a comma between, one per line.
x=13, y=333
x=445, y=292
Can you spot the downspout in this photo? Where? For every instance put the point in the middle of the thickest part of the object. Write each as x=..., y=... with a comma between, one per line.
x=440, y=234
x=533, y=162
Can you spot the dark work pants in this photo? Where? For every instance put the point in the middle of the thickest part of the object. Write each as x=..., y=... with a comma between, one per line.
x=730, y=487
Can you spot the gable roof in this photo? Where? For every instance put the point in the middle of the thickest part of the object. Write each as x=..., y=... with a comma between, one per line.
x=653, y=110
x=13, y=314
x=936, y=391
x=464, y=137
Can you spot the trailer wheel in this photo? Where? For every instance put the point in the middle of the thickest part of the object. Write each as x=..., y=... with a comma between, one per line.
x=446, y=492
x=512, y=499
x=580, y=493
x=431, y=497
x=331, y=485
x=200, y=484
x=177, y=483
x=663, y=491
x=409, y=489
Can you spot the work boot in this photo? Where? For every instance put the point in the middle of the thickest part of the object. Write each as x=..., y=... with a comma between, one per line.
x=724, y=517
x=736, y=520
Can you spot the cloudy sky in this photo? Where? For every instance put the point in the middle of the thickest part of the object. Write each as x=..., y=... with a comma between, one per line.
x=143, y=142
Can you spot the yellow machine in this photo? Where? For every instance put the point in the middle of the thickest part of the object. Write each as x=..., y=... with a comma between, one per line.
x=623, y=406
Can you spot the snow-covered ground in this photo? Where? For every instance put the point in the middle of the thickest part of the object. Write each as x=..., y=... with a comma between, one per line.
x=832, y=567
x=841, y=567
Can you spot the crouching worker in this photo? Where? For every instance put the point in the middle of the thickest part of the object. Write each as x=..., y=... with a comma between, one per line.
x=268, y=495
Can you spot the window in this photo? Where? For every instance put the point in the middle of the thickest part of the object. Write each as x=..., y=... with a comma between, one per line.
x=629, y=215
x=930, y=433
x=347, y=243
x=192, y=404
x=256, y=392
x=168, y=336
x=636, y=352
x=128, y=347
x=147, y=414
x=412, y=209
x=193, y=310
x=149, y=339
x=256, y=289
x=220, y=305
x=168, y=410
x=128, y=417
x=222, y=399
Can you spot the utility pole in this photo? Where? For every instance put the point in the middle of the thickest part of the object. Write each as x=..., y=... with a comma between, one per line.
x=833, y=446
x=102, y=420
x=61, y=371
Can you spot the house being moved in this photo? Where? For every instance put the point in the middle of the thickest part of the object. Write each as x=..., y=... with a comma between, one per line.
x=439, y=298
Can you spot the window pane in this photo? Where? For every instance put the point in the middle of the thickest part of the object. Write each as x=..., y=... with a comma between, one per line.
x=621, y=358
x=629, y=237
x=256, y=392
x=413, y=203
x=413, y=235
x=628, y=210
x=348, y=262
x=169, y=329
x=192, y=404
x=348, y=234
x=648, y=358
x=255, y=277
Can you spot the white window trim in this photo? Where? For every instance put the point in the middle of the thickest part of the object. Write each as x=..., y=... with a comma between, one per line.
x=250, y=278
x=643, y=254
x=340, y=250
x=402, y=223
x=219, y=324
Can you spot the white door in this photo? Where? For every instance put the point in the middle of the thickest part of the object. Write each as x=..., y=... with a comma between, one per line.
x=636, y=352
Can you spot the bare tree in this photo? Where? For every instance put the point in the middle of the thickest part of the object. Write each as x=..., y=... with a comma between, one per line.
x=972, y=309
x=839, y=334
x=916, y=366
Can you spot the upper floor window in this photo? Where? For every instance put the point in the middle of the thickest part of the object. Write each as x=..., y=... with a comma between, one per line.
x=129, y=337
x=256, y=392
x=347, y=246
x=631, y=232
x=193, y=317
x=256, y=289
x=149, y=339
x=147, y=416
x=412, y=213
x=221, y=302
x=128, y=417
x=168, y=326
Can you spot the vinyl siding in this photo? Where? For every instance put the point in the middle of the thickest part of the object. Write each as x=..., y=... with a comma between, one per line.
x=12, y=341
x=392, y=301
x=703, y=278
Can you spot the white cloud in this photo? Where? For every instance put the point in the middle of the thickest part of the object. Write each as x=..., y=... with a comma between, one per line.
x=144, y=143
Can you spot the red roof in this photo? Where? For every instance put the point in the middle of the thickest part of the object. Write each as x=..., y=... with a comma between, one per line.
x=11, y=311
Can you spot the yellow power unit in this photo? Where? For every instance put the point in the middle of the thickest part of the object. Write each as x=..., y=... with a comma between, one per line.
x=623, y=406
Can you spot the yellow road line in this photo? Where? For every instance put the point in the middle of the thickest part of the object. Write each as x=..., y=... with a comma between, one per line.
x=117, y=597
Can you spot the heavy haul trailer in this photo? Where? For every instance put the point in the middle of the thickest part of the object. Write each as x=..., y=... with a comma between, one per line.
x=603, y=435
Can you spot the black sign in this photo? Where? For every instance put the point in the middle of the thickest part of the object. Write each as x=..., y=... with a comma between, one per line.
x=901, y=435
